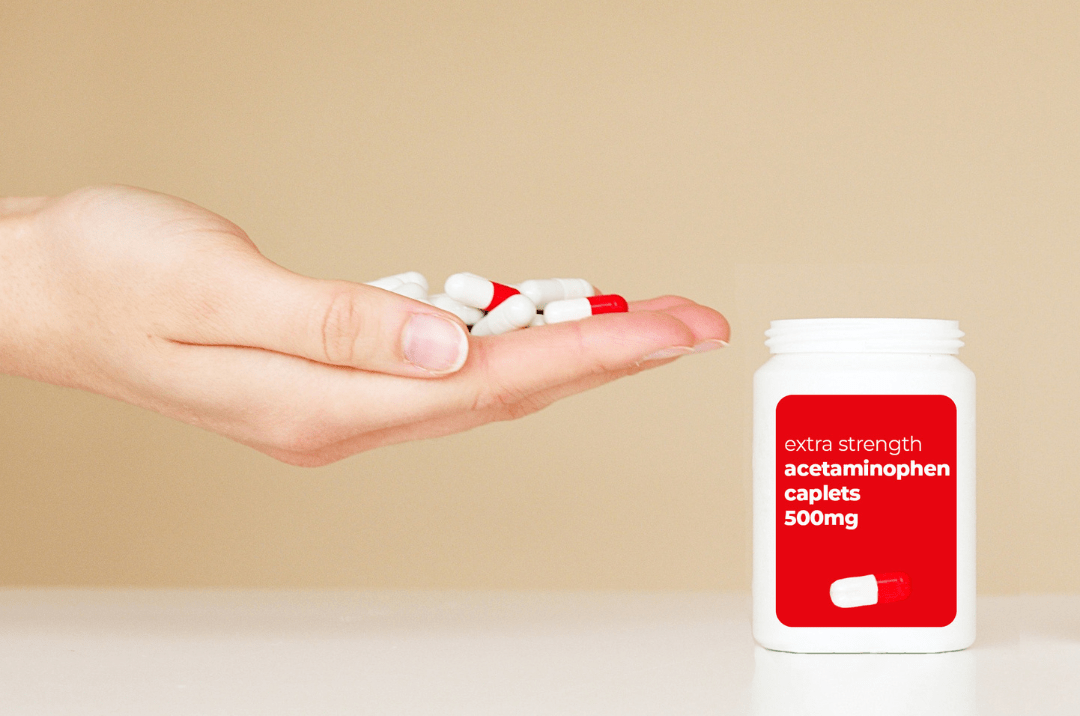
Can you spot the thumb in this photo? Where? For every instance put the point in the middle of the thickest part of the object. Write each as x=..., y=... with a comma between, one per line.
x=262, y=305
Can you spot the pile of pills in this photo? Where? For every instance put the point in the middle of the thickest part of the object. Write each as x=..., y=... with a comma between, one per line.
x=491, y=308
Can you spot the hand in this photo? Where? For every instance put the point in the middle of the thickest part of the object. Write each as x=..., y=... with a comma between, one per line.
x=155, y=301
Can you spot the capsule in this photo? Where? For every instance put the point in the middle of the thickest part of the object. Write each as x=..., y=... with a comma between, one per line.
x=469, y=316
x=513, y=313
x=574, y=309
x=389, y=283
x=870, y=589
x=477, y=291
x=545, y=291
x=411, y=290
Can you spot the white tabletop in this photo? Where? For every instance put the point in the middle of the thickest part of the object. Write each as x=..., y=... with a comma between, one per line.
x=239, y=652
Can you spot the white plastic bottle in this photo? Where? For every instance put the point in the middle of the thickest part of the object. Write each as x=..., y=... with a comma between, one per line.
x=864, y=488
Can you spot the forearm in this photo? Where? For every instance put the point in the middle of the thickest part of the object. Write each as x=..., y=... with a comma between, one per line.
x=20, y=271
x=20, y=205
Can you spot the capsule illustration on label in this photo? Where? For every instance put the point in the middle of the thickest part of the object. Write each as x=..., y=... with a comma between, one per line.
x=870, y=589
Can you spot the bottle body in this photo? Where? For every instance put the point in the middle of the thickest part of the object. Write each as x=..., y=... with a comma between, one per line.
x=864, y=502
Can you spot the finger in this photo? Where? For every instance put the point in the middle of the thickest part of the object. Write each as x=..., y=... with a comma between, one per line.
x=257, y=304
x=291, y=407
x=268, y=398
x=659, y=303
x=443, y=424
x=525, y=362
x=447, y=425
x=711, y=330
x=708, y=326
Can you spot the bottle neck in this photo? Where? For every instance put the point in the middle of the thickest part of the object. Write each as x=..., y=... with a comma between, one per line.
x=865, y=335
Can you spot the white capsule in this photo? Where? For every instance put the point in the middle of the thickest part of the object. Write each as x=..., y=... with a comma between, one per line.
x=538, y=320
x=477, y=291
x=415, y=277
x=854, y=591
x=391, y=282
x=513, y=313
x=411, y=290
x=544, y=291
x=468, y=315
x=387, y=283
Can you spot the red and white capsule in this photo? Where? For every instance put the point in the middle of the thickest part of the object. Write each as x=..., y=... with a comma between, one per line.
x=477, y=291
x=548, y=290
x=574, y=309
x=870, y=589
x=513, y=313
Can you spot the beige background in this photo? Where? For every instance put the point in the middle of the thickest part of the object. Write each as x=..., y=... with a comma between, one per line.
x=773, y=160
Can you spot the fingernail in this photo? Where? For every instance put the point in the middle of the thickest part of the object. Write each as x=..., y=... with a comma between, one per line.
x=709, y=345
x=436, y=344
x=673, y=352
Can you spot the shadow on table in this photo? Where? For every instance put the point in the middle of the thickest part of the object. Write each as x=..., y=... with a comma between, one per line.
x=1007, y=621
x=1050, y=617
x=839, y=684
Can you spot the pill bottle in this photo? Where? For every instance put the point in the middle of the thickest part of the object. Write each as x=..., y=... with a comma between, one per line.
x=864, y=487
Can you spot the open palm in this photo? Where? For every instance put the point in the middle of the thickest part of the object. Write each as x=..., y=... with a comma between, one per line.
x=158, y=302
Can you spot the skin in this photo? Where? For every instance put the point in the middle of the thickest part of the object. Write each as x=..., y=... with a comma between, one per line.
x=155, y=301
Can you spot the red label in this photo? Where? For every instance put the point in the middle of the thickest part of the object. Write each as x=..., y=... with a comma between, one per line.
x=866, y=485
